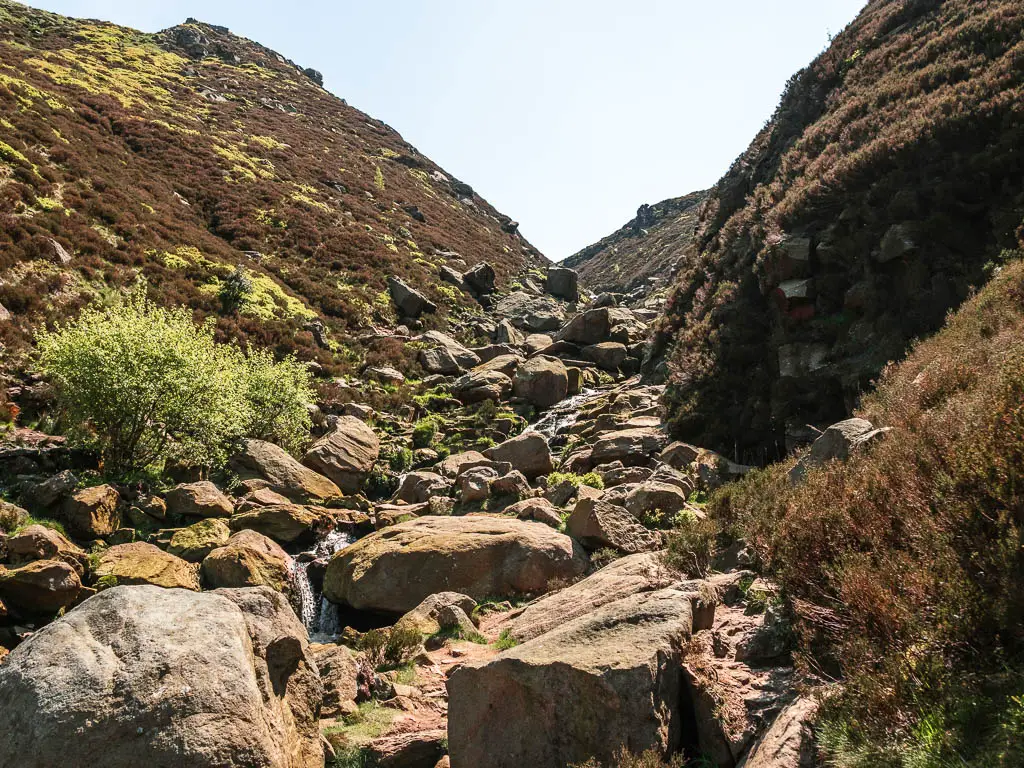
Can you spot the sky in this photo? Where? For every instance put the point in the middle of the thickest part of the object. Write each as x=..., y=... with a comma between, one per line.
x=566, y=115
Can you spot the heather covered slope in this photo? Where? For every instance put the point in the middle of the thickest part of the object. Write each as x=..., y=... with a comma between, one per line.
x=172, y=158
x=650, y=245
x=869, y=206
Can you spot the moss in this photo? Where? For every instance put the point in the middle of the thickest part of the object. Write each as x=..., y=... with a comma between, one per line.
x=378, y=179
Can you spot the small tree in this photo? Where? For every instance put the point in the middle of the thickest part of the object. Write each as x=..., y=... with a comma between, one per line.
x=277, y=395
x=236, y=288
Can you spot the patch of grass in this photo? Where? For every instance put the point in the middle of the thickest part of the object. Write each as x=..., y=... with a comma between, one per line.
x=505, y=641
x=591, y=479
x=55, y=525
x=390, y=648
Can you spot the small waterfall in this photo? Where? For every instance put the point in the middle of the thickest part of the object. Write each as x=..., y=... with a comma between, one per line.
x=319, y=616
x=559, y=419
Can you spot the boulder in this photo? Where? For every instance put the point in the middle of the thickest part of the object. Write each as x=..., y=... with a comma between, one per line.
x=539, y=509
x=249, y=559
x=529, y=453
x=837, y=442
x=37, y=542
x=416, y=749
x=505, y=364
x=266, y=462
x=563, y=283
x=629, y=575
x=506, y=333
x=604, y=324
x=542, y=381
x=453, y=276
x=346, y=454
x=575, y=380
x=653, y=496
x=42, y=496
x=679, y=455
x=457, y=463
x=606, y=680
x=445, y=355
x=789, y=742
x=418, y=487
x=608, y=355
x=201, y=679
x=477, y=386
x=384, y=374
x=630, y=446
x=410, y=302
x=141, y=563
x=202, y=499
x=475, y=484
x=424, y=618
x=92, y=513
x=197, y=541
x=597, y=524
x=261, y=497
x=11, y=516
x=513, y=484
x=339, y=674
x=480, y=278
x=492, y=351
x=284, y=523
x=395, y=569
x=534, y=314
x=537, y=342
x=39, y=587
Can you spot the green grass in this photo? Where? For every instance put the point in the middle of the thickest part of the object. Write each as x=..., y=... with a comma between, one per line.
x=43, y=521
x=505, y=641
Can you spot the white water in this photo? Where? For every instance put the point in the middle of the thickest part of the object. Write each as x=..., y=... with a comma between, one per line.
x=318, y=615
x=559, y=419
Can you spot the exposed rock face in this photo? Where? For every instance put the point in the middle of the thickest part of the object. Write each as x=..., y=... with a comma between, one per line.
x=630, y=446
x=789, y=743
x=346, y=454
x=446, y=356
x=396, y=568
x=92, y=513
x=202, y=499
x=653, y=495
x=232, y=684
x=596, y=524
x=541, y=381
x=529, y=453
x=609, y=355
x=541, y=510
x=37, y=542
x=837, y=442
x=197, y=541
x=263, y=461
x=480, y=278
x=41, y=586
x=563, y=283
x=531, y=313
x=249, y=559
x=608, y=679
x=284, y=523
x=141, y=563
x=410, y=302
x=478, y=386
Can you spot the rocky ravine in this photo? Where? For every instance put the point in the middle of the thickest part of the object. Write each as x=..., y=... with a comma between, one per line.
x=506, y=606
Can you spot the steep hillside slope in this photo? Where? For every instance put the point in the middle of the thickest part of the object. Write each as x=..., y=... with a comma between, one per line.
x=172, y=158
x=869, y=206
x=650, y=245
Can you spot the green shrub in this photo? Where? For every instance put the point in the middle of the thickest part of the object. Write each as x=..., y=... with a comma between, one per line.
x=45, y=522
x=691, y=545
x=236, y=288
x=390, y=647
x=505, y=641
x=591, y=478
x=278, y=393
x=424, y=432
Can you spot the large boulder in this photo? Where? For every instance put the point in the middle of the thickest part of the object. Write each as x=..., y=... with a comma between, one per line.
x=630, y=446
x=11, y=516
x=141, y=563
x=339, y=673
x=480, y=278
x=393, y=570
x=604, y=324
x=249, y=559
x=542, y=381
x=346, y=454
x=457, y=463
x=789, y=742
x=197, y=541
x=563, y=283
x=477, y=386
x=445, y=355
x=836, y=443
x=654, y=497
x=597, y=524
x=37, y=542
x=202, y=499
x=41, y=586
x=608, y=355
x=410, y=302
x=267, y=463
x=418, y=487
x=534, y=314
x=425, y=617
x=148, y=676
x=92, y=513
x=529, y=453
x=284, y=523
x=606, y=680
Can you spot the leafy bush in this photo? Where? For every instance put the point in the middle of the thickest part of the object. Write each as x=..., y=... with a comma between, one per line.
x=390, y=647
x=424, y=432
x=236, y=288
x=691, y=545
x=278, y=393
x=591, y=478
x=505, y=641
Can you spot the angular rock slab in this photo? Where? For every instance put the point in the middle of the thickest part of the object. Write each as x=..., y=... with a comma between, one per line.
x=608, y=679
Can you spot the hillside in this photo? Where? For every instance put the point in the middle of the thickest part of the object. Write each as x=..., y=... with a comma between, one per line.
x=887, y=183
x=172, y=158
x=648, y=246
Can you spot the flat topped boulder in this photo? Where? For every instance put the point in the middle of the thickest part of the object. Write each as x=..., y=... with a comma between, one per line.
x=201, y=499
x=529, y=453
x=201, y=679
x=542, y=381
x=346, y=454
x=394, y=569
x=604, y=324
x=142, y=563
x=609, y=679
x=270, y=464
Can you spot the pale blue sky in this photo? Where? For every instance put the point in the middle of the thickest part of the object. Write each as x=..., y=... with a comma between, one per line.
x=565, y=114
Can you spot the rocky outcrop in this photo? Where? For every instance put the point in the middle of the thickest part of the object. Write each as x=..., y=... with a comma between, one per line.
x=396, y=568
x=346, y=454
x=232, y=684
x=201, y=499
x=141, y=563
x=271, y=465
x=197, y=541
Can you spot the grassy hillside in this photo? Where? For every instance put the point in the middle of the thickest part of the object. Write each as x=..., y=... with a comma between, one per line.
x=905, y=564
x=889, y=177
x=173, y=158
x=649, y=245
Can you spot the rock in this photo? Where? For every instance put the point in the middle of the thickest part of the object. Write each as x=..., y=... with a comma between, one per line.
x=653, y=496
x=359, y=411
x=202, y=499
x=609, y=679
x=394, y=569
x=44, y=495
x=454, y=617
x=418, y=749
x=142, y=563
x=457, y=463
x=197, y=541
x=339, y=673
x=384, y=374
x=37, y=542
x=513, y=484
x=837, y=442
x=604, y=324
x=446, y=356
x=232, y=684
x=424, y=618
x=261, y=497
x=418, y=487
x=563, y=283
x=630, y=446
x=608, y=355
x=475, y=484
x=449, y=275
x=249, y=559
x=535, y=314
x=260, y=460
x=92, y=513
x=597, y=524
x=898, y=241
x=679, y=455
x=40, y=587
x=346, y=454
x=506, y=364
x=537, y=342
x=480, y=278
x=506, y=333
x=492, y=351
x=284, y=523
x=575, y=380
x=11, y=516
x=410, y=302
x=477, y=386
x=669, y=476
x=789, y=742
x=539, y=509
x=529, y=453
x=542, y=381
x=630, y=575
x=614, y=474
